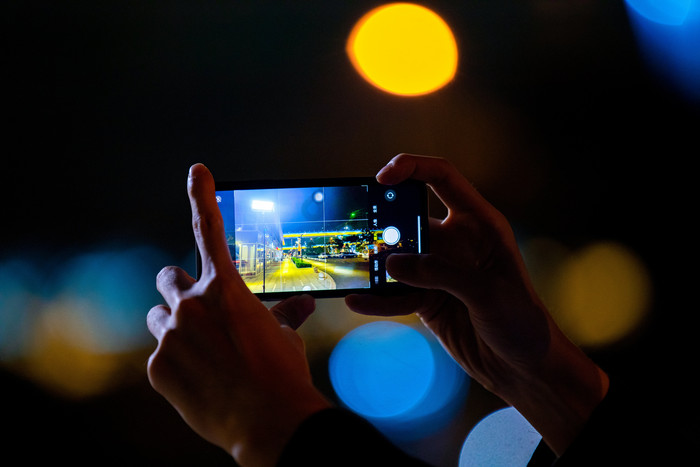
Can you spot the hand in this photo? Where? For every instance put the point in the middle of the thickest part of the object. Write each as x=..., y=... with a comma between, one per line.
x=477, y=299
x=235, y=371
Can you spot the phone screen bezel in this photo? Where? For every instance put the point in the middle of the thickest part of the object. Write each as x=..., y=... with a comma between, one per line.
x=420, y=193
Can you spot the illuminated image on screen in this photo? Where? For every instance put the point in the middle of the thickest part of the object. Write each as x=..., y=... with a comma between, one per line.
x=309, y=239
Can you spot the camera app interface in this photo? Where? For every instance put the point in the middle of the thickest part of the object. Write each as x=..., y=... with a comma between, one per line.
x=318, y=238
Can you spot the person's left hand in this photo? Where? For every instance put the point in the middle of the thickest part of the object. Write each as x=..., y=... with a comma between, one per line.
x=235, y=371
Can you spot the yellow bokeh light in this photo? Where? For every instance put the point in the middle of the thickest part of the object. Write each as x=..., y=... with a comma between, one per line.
x=604, y=292
x=62, y=354
x=404, y=49
x=598, y=295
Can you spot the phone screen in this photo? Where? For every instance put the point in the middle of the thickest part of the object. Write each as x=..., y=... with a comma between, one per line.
x=323, y=237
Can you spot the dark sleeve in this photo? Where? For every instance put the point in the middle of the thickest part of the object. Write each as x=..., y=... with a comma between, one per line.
x=340, y=438
x=621, y=431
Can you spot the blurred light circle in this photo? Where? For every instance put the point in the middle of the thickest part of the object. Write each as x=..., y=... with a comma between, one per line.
x=382, y=369
x=19, y=304
x=669, y=12
x=397, y=378
x=603, y=293
x=110, y=290
x=668, y=34
x=404, y=49
x=91, y=323
x=502, y=439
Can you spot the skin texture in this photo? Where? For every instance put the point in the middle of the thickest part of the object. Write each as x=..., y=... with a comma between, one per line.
x=237, y=373
x=479, y=301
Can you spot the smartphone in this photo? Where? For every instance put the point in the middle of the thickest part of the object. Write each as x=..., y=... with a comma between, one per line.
x=324, y=237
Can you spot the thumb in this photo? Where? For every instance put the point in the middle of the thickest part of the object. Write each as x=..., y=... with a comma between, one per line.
x=293, y=311
x=420, y=270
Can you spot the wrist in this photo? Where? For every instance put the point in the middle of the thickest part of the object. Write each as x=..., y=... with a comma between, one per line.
x=263, y=442
x=559, y=394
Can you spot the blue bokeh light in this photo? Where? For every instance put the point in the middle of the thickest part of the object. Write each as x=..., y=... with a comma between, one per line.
x=382, y=369
x=668, y=33
x=111, y=290
x=398, y=378
x=99, y=296
x=670, y=12
x=19, y=300
x=503, y=438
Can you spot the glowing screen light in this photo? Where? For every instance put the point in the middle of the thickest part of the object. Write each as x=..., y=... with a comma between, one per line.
x=403, y=49
x=399, y=380
x=263, y=206
x=502, y=439
x=668, y=32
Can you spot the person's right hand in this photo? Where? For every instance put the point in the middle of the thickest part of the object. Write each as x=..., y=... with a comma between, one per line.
x=477, y=298
x=234, y=370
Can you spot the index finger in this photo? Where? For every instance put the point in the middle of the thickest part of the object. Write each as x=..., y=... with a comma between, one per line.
x=441, y=175
x=207, y=223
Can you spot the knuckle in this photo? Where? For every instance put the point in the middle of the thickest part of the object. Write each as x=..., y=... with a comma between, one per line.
x=165, y=273
x=446, y=167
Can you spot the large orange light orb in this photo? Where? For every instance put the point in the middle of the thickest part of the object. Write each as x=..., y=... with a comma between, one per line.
x=404, y=49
